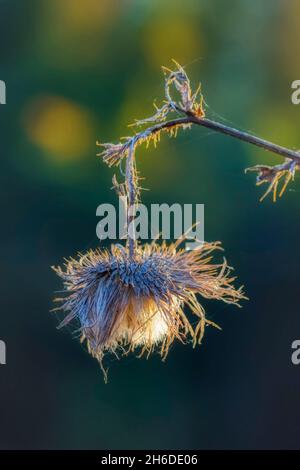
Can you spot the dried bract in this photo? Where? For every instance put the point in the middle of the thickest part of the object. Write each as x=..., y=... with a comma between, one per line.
x=273, y=175
x=191, y=103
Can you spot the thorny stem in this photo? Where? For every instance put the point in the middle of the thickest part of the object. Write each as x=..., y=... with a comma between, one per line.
x=131, y=184
x=251, y=139
x=218, y=127
x=192, y=112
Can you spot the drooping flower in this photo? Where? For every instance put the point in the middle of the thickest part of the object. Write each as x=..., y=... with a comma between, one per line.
x=122, y=304
x=137, y=297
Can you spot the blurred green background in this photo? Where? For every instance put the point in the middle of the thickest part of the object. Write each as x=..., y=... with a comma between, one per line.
x=77, y=71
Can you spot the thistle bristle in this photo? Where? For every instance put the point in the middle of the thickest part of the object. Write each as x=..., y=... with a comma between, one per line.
x=124, y=304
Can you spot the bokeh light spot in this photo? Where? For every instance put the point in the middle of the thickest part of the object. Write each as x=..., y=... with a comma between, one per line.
x=63, y=129
x=177, y=38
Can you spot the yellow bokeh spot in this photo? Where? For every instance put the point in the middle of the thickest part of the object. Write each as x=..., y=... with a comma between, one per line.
x=83, y=15
x=279, y=125
x=60, y=127
x=74, y=32
x=177, y=37
x=288, y=40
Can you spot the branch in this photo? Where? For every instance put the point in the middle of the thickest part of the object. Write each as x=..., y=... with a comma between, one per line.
x=193, y=113
x=251, y=139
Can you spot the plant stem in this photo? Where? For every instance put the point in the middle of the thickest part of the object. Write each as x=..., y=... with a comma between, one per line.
x=188, y=119
x=251, y=139
x=131, y=186
x=218, y=127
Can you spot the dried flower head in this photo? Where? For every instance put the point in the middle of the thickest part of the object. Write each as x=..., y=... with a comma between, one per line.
x=190, y=103
x=274, y=174
x=180, y=80
x=122, y=304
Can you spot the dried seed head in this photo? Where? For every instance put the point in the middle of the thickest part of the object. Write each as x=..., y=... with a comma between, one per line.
x=122, y=304
x=274, y=174
x=189, y=102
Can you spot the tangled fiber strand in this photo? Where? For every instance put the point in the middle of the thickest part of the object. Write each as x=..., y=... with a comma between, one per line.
x=122, y=304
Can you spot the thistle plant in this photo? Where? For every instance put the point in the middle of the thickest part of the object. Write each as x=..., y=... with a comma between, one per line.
x=142, y=297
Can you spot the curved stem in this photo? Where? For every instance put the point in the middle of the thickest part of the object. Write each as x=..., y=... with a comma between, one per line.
x=190, y=118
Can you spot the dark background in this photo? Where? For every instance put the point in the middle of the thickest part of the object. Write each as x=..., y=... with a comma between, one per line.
x=77, y=71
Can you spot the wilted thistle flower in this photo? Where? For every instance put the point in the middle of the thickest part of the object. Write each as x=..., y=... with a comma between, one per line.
x=134, y=297
x=122, y=303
